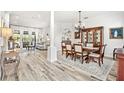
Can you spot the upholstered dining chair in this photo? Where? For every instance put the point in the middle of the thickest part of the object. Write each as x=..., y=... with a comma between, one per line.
x=114, y=53
x=78, y=52
x=69, y=51
x=63, y=47
x=97, y=56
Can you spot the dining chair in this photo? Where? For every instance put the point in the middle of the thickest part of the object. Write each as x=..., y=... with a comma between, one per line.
x=63, y=47
x=69, y=51
x=97, y=56
x=78, y=52
x=114, y=53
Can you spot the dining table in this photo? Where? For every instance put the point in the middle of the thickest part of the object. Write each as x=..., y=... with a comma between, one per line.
x=90, y=50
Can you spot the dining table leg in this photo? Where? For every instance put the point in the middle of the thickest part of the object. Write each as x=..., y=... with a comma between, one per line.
x=87, y=58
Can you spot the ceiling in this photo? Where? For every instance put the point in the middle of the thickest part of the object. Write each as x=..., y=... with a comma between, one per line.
x=41, y=19
x=38, y=19
x=73, y=16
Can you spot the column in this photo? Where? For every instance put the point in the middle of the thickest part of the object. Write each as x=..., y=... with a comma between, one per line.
x=6, y=19
x=52, y=51
x=6, y=24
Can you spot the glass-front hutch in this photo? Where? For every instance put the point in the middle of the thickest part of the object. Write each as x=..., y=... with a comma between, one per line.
x=92, y=35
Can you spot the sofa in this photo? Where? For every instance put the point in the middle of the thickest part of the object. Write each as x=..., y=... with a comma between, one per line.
x=42, y=45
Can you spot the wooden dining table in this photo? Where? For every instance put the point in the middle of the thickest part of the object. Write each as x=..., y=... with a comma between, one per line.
x=88, y=49
x=91, y=49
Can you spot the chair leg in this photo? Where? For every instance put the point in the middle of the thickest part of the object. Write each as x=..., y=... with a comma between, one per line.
x=88, y=59
x=99, y=62
x=113, y=56
x=66, y=55
x=102, y=60
x=82, y=60
x=74, y=57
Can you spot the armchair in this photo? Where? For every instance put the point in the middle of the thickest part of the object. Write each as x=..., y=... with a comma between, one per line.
x=98, y=56
x=63, y=47
x=78, y=52
x=69, y=50
x=114, y=53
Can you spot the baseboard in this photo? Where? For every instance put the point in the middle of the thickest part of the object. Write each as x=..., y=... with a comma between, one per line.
x=108, y=57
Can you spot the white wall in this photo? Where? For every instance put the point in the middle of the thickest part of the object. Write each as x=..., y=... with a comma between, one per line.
x=108, y=21
x=59, y=29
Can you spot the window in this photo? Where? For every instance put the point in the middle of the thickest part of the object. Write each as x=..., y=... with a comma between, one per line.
x=25, y=32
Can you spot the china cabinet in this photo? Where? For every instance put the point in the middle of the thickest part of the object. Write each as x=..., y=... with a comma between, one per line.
x=92, y=35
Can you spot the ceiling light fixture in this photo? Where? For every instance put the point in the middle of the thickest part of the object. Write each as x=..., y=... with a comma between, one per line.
x=79, y=26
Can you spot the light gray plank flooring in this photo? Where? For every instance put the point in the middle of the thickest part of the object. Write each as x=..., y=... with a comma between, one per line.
x=35, y=67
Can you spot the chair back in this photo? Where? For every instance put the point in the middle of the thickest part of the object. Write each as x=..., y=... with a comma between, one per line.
x=78, y=48
x=102, y=50
x=62, y=44
x=68, y=47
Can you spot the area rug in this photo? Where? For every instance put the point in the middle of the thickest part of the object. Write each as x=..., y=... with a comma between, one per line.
x=92, y=68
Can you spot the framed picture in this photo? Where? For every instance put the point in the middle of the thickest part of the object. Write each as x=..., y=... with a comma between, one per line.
x=116, y=33
x=77, y=35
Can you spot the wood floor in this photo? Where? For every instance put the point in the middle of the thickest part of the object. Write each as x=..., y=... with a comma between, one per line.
x=35, y=67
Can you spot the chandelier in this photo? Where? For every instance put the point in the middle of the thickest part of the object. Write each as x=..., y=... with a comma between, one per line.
x=79, y=26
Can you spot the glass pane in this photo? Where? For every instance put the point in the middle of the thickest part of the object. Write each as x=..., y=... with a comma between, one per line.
x=90, y=36
x=25, y=32
x=84, y=37
x=33, y=33
x=97, y=37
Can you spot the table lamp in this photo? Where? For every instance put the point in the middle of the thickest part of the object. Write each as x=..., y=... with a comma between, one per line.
x=5, y=33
